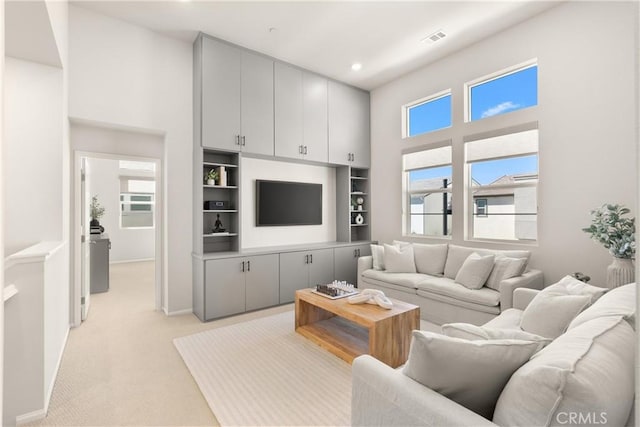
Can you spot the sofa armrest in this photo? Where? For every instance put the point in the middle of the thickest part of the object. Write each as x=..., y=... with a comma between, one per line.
x=383, y=396
x=523, y=296
x=532, y=279
x=364, y=263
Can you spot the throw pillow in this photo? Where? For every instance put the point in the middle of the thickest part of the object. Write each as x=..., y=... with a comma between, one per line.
x=475, y=270
x=430, y=259
x=505, y=268
x=399, y=260
x=456, y=256
x=548, y=314
x=588, y=371
x=571, y=286
x=467, y=331
x=471, y=373
x=620, y=301
x=377, y=252
x=400, y=243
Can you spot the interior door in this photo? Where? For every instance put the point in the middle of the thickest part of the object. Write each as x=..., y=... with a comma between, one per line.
x=85, y=240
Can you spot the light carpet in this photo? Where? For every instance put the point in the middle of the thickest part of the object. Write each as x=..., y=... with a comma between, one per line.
x=262, y=373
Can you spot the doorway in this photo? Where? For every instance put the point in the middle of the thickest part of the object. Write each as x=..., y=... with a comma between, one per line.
x=118, y=206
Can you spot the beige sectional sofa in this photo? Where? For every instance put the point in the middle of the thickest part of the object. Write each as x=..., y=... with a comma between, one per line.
x=584, y=376
x=433, y=286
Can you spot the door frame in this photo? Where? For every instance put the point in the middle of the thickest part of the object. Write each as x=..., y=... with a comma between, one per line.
x=76, y=232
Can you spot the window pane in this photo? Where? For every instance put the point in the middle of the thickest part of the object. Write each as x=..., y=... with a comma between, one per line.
x=429, y=116
x=431, y=214
x=511, y=92
x=430, y=179
x=137, y=219
x=505, y=171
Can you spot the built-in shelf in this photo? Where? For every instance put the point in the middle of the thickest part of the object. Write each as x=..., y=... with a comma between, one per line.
x=213, y=164
x=229, y=187
x=359, y=225
x=225, y=234
x=220, y=210
x=358, y=193
x=355, y=211
x=359, y=177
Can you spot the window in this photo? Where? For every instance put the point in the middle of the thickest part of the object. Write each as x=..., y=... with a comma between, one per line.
x=502, y=188
x=137, y=203
x=428, y=185
x=427, y=114
x=503, y=93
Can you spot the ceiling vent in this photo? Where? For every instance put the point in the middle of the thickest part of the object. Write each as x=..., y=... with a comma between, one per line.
x=434, y=37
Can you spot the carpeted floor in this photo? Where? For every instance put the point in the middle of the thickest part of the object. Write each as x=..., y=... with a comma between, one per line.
x=121, y=367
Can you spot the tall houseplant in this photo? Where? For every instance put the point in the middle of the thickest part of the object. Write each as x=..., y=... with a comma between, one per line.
x=616, y=232
x=96, y=211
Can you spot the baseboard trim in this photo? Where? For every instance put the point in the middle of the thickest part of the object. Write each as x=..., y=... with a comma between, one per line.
x=126, y=261
x=30, y=417
x=180, y=312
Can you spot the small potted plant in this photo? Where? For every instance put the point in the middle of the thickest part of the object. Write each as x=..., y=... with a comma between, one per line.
x=616, y=232
x=211, y=176
x=96, y=212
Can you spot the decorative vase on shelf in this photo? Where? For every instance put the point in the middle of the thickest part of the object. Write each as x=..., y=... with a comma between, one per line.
x=359, y=219
x=211, y=182
x=222, y=176
x=620, y=272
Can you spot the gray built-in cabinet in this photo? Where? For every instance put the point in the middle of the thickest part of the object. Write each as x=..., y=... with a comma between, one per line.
x=250, y=105
x=236, y=98
x=300, y=114
x=305, y=269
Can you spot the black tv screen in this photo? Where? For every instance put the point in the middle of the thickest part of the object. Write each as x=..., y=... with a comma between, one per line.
x=288, y=203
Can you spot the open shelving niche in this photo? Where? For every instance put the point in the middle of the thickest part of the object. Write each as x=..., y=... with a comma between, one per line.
x=227, y=241
x=352, y=184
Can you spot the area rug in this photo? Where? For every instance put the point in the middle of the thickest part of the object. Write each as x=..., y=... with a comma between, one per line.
x=262, y=373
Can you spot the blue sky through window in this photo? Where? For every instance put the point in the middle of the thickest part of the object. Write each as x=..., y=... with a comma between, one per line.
x=430, y=116
x=505, y=94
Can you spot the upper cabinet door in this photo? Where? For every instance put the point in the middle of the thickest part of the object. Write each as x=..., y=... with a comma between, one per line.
x=315, y=117
x=348, y=125
x=256, y=104
x=289, y=111
x=220, y=95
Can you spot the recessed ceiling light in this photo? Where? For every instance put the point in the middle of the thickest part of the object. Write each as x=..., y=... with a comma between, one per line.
x=356, y=66
x=434, y=37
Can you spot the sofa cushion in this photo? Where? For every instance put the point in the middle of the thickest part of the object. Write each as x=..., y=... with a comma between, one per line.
x=571, y=286
x=588, y=371
x=445, y=286
x=430, y=259
x=617, y=302
x=475, y=270
x=508, y=319
x=505, y=268
x=456, y=256
x=377, y=253
x=467, y=331
x=399, y=259
x=471, y=373
x=549, y=314
x=406, y=280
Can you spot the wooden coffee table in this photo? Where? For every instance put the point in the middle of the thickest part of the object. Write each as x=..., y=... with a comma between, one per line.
x=349, y=330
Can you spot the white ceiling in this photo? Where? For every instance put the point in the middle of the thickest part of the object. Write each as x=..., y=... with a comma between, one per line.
x=328, y=36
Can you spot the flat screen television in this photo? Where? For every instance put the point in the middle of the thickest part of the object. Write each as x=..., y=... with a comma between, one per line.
x=288, y=203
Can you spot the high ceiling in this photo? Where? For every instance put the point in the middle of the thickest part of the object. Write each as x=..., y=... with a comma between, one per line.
x=329, y=36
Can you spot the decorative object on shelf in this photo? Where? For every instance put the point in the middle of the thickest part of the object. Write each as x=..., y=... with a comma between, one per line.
x=211, y=176
x=616, y=232
x=359, y=202
x=580, y=276
x=211, y=205
x=222, y=176
x=96, y=211
x=218, y=225
x=359, y=219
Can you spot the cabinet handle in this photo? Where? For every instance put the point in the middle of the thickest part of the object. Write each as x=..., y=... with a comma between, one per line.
x=244, y=140
x=306, y=259
x=243, y=266
x=355, y=253
x=305, y=149
x=299, y=149
x=311, y=258
x=248, y=265
x=237, y=139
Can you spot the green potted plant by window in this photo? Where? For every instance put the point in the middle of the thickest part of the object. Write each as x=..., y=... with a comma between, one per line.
x=96, y=211
x=616, y=232
x=211, y=176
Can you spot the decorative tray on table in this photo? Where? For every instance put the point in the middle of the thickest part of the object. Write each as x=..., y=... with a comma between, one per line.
x=335, y=290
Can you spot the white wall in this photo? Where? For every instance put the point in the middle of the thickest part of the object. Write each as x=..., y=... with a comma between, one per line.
x=253, y=236
x=125, y=75
x=127, y=244
x=2, y=207
x=587, y=120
